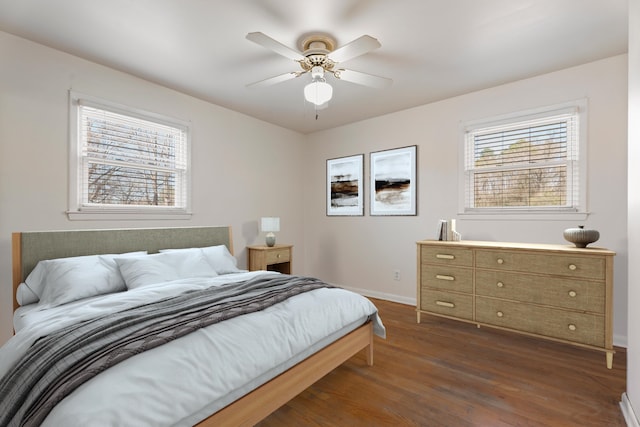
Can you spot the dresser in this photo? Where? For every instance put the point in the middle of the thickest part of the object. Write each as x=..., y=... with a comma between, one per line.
x=273, y=258
x=557, y=292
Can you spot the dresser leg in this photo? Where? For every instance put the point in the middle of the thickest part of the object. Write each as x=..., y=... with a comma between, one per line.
x=609, y=359
x=418, y=316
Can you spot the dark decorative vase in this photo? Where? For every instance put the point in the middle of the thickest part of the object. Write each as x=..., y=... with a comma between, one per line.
x=581, y=237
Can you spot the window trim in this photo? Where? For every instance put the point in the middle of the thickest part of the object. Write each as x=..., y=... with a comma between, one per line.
x=76, y=210
x=526, y=213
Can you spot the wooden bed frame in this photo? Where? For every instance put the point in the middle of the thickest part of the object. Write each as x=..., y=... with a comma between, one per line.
x=30, y=247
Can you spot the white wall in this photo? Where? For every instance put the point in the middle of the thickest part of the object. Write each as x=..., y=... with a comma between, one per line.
x=363, y=252
x=632, y=399
x=242, y=167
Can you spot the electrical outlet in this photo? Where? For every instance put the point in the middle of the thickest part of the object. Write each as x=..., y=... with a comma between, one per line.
x=396, y=274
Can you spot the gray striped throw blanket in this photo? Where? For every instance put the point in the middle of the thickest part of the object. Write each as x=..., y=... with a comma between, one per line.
x=60, y=362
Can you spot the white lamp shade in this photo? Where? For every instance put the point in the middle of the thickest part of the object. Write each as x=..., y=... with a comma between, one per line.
x=318, y=92
x=270, y=224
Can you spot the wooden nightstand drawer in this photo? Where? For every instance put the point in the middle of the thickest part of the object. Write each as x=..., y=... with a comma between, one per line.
x=567, y=325
x=278, y=255
x=553, y=291
x=447, y=278
x=447, y=303
x=273, y=258
x=447, y=255
x=550, y=264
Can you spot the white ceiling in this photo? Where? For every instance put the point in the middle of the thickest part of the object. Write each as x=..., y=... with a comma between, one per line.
x=432, y=49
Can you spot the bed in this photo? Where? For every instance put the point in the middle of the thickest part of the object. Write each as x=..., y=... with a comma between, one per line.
x=245, y=362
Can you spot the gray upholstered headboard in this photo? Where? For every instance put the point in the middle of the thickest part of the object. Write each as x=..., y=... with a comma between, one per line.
x=33, y=246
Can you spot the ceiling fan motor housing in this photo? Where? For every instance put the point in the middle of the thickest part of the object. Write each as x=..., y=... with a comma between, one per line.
x=316, y=48
x=318, y=41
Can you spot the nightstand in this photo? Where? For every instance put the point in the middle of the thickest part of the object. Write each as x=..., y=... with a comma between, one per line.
x=272, y=258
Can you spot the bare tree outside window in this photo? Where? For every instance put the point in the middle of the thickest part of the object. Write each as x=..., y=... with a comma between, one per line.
x=131, y=162
x=523, y=165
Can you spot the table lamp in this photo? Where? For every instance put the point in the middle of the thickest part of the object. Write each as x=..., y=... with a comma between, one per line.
x=269, y=225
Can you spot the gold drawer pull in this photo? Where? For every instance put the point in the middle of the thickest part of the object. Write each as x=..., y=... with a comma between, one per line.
x=443, y=277
x=572, y=327
x=572, y=294
x=445, y=304
x=500, y=261
x=499, y=314
x=500, y=284
x=572, y=267
x=279, y=255
x=445, y=256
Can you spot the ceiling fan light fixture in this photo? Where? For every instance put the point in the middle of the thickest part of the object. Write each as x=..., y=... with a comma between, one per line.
x=318, y=92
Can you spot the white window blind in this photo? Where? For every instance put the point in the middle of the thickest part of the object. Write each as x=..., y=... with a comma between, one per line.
x=128, y=162
x=528, y=165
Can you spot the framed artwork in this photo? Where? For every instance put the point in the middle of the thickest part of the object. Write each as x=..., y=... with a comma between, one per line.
x=393, y=182
x=345, y=186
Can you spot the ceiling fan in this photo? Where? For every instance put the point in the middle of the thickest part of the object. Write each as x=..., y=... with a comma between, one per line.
x=319, y=57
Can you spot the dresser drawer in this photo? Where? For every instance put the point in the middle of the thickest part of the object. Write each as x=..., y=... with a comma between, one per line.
x=447, y=255
x=447, y=278
x=278, y=255
x=447, y=303
x=573, y=326
x=555, y=291
x=588, y=267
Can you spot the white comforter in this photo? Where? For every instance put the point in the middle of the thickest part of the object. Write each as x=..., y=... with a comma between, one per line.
x=184, y=381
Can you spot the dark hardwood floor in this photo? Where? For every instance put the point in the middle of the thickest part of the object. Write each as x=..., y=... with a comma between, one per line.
x=448, y=373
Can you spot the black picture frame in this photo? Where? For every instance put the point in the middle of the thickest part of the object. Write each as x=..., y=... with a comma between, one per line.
x=345, y=186
x=393, y=182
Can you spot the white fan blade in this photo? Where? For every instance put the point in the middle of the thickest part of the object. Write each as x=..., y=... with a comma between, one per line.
x=363, y=78
x=275, y=80
x=274, y=45
x=359, y=46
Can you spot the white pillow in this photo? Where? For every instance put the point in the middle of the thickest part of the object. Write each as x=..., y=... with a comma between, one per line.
x=62, y=280
x=164, y=267
x=25, y=295
x=218, y=256
x=35, y=279
x=221, y=259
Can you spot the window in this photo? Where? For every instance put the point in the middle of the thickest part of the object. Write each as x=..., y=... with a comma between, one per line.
x=533, y=163
x=126, y=161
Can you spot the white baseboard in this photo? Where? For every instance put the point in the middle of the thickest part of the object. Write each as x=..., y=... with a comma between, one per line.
x=383, y=295
x=620, y=341
x=628, y=412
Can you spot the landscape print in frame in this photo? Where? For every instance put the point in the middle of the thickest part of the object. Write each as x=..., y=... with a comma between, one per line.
x=393, y=181
x=345, y=186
